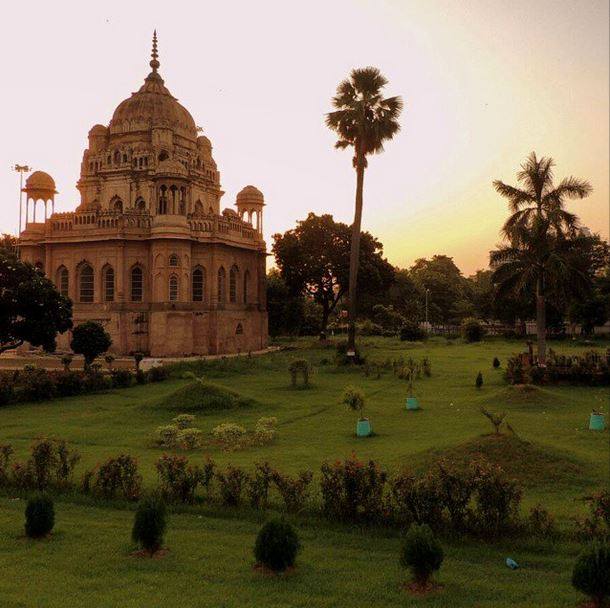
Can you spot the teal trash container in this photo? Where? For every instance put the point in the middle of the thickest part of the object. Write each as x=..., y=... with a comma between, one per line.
x=363, y=428
x=597, y=422
x=412, y=403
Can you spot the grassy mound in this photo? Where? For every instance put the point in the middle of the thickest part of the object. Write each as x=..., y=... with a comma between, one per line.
x=204, y=397
x=529, y=463
x=523, y=397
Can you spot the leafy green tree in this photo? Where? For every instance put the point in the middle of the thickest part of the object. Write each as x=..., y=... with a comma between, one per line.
x=31, y=309
x=363, y=120
x=314, y=261
x=91, y=340
x=540, y=234
x=8, y=243
x=447, y=300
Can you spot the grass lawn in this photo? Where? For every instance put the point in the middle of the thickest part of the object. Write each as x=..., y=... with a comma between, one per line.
x=210, y=562
x=87, y=562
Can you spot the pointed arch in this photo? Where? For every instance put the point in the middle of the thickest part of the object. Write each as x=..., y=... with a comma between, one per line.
x=62, y=281
x=108, y=283
x=174, y=288
x=136, y=276
x=198, y=286
x=233, y=275
x=85, y=282
x=222, y=285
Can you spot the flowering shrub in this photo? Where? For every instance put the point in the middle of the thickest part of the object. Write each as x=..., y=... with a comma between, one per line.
x=184, y=421
x=352, y=490
x=541, y=523
x=472, y=330
x=266, y=430
x=178, y=479
x=69, y=383
x=231, y=436
x=232, y=483
x=35, y=385
x=189, y=439
x=415, y=499
x=294, y=491
x=497, y=499
x=596, y=526
x=166, y=436
x=115, y=478
x=121, y=378
x=296, y=367
x=259, y=484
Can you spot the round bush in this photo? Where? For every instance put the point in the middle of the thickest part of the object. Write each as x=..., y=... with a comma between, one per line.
x=472, y=330
x=421, y=552
x=411, y=332
x=496, y=363
x=591, y=573
x=149, y=523
x=39, y=516
x=277, y=545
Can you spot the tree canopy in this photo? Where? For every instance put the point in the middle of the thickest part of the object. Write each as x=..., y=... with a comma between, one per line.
x=314, y=259
x=91, y=340
x=31, y=308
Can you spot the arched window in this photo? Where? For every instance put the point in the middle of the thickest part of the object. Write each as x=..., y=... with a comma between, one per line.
x=222, y=285
x=198, y=207
x=173, y=260
x=137, y=284
x=233, y=284
x=162, y=200
x=198, y=284
x=163, y=155
x=173, y=288
x=108, y=283
x=62, y=281
x=246, y=285
x=117, y=157
x=85, y=283
x=239, y=329
x=116, y=204
x=140, y=204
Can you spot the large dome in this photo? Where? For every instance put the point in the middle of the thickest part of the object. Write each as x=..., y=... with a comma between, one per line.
x=153, y=106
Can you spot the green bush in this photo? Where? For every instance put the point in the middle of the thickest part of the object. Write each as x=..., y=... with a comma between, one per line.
x=189, y=439
x=36, y=385
x=591, y=574
x=230, y=435
x=39, y=516
x=158, y=373
x=117, y=477
x=472, y=330
x=421, y=553
x=91, y=340
x=496, y=363
x=479, y=380
x=352, y=490
x=141, y=377
x=277, y=545
x=184, y=421
x=166, y=436
x=232, y=483
x=69, y=383
x=149, y=523
x=121, y=378
x=412, y=332
x=7, y=391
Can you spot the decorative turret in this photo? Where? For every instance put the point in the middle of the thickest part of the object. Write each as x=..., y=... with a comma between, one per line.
x=39, y=186
x=250, y=202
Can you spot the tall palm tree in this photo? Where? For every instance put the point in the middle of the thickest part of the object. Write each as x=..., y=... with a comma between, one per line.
x=363, y=120
x=541, y=234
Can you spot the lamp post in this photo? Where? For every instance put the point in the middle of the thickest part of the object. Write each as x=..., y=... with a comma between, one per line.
x=427, y=293
x=21, y=169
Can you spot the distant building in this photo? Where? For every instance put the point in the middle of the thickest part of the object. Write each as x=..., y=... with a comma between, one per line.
x=148, y=252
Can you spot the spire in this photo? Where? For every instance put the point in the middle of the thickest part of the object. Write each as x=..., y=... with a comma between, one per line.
x=154, y=62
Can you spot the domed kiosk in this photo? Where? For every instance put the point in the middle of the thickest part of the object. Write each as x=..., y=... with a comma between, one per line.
x=148, y=251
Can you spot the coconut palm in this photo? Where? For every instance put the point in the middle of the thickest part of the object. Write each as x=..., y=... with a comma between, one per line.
x=363, y=120
x=541, y=233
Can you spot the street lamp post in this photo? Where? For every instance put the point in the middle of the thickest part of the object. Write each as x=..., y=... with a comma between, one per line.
x=21, y=169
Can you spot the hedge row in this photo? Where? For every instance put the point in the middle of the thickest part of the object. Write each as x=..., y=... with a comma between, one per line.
x=35, y=384
x=476, y=499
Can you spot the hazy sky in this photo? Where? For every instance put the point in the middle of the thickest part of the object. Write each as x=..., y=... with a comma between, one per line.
x=484, y=83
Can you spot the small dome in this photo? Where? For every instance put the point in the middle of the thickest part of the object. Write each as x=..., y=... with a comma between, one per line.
x=250, y=196
x=170, y=166
x=98, y=130
x=39, y=180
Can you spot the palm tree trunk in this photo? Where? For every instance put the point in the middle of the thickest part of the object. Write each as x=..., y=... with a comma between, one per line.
x=541, y=320
x=354, y=257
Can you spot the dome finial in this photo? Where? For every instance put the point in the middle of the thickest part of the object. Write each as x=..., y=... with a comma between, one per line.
x=154, y=62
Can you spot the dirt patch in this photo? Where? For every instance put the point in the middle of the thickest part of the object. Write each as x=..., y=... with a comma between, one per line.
x=422, y=590
x=264, y=571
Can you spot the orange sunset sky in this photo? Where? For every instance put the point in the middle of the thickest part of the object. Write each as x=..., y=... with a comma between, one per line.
x=484, y=83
